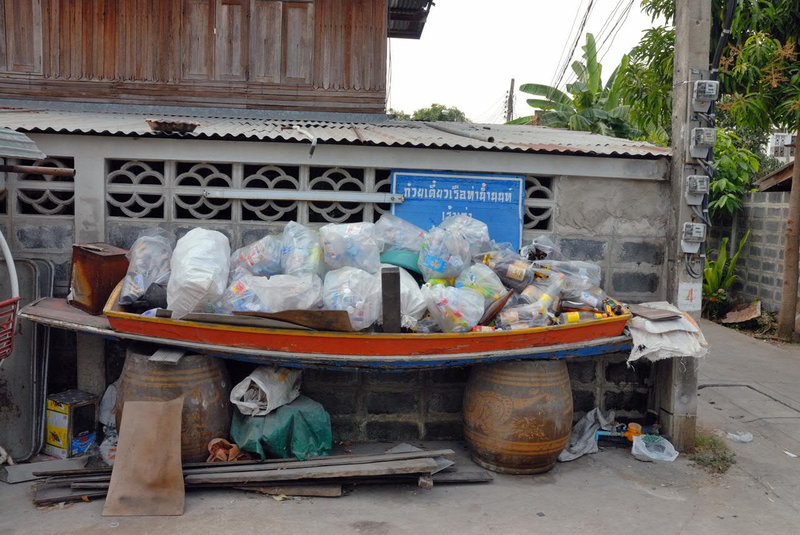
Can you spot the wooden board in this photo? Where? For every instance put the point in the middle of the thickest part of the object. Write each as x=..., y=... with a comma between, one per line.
x=329, y=490
x=318, y=320
x=147, y=479
x=28, y=471
x=412, y=466
x=653, y=314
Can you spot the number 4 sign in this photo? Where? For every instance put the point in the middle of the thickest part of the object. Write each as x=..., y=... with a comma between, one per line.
x=690, y=296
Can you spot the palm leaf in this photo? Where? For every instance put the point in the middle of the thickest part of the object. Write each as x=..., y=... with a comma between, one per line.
x=551, y=93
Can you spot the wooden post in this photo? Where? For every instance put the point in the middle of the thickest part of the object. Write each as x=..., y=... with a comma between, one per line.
x=390, y=288
x=790, y=257
x=676, y=379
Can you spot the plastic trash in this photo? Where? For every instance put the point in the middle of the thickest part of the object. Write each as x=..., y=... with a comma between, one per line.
x=200, y=265
x=590, y=299
x=514, y=271
x=456, y=310
x=412, y=302
x=476, y=232
x=352, y=244
x=301, y=250
x=444, y=254
x=540, y=248
x=579, y=274
x=740, y=436
x=653, y=448
x=581, y=439
x=427, y=325
x=356, y=292
x=266, y=389
x=398, y=234
x=274, y=294
x=483, y=280
x=262, y=257
x=148, y=263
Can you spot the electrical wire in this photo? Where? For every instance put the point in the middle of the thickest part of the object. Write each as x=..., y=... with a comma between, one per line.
x=566, y=44
x=575, y=43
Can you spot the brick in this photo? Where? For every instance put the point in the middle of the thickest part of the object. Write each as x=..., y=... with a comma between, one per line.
x=582, y=371
x=582, y=400
x=445, y=401
x=625, y=401
x=772, y=226
x=766, y=279
x=53, y=235
x=642, y=253
x=768, y=253
x=449, y=375
x=751, y=290
x=774, y=212
x=755, y=224
x=330, y=377
x=621, y=373
x=772, y=238
x=758, y=212
x=345, y=430
x=580, y=249
x=407, y=379
x=392, y=402
x=769, y=267
x=765, y=293
x=336, y=401
x=392, y=431
x=444, y=430
x=634, y=282
x=756, y=238
x=753, y=263
x=752, y=277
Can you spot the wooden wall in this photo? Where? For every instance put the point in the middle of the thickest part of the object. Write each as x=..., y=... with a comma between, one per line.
x=301, y=54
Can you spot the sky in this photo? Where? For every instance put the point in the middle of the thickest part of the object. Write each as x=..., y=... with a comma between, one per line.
x=470, y=50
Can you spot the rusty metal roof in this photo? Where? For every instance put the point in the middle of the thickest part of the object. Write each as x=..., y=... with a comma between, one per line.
x=18, y=145
x=407, y=17
x=386, y=133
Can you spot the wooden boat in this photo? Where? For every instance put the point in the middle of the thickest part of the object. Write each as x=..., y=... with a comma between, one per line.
x=284, y=341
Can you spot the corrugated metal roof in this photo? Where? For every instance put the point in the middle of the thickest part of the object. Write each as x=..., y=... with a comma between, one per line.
x=433, y=135
x=18, y=145
x=407, y=18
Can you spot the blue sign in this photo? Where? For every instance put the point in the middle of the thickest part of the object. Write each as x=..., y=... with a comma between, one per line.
x=430, y=197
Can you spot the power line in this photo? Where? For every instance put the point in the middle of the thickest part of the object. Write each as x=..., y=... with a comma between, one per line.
x=575, y=43
x=566, y=43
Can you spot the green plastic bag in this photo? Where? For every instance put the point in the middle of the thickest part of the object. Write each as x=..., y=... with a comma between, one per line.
x=299, y=429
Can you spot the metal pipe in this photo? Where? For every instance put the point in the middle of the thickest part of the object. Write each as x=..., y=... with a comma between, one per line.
x=39, y=170
x=295, y=195
x=456, y=132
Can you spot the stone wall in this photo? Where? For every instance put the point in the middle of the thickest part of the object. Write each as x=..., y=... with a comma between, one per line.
x=760, y=266
x=426, y=405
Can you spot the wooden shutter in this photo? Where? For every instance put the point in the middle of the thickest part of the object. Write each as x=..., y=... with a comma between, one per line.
x=23, y=35
x=266, y=21
x=298, y=40
x=231, y=42
x=198, y=39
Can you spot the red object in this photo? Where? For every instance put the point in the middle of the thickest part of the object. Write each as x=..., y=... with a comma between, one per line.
x=356, y=343
x=8, y=322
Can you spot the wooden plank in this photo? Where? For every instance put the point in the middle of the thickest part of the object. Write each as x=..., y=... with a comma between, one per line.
x=197, y=30
x=166, y=355
x=144, y=483
x=305, y=490
x=24, y=42
x=390, y=293
x=230, y=40
x=412, y=466
x=266, y=50
x=298, y=42
x=3, y=37
x=27, y=472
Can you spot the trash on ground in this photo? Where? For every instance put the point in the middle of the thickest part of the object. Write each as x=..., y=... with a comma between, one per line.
x=582, y=439
x=744, y=313
x=740, y=436
x=653, y=448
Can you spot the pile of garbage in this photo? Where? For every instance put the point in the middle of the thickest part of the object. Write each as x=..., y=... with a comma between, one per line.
x=453, y=278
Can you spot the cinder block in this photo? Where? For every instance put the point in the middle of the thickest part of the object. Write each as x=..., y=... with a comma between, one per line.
x=345, y=429
x=634, y=282
x=392, y=431
x=768, y=280
x=583, y=400
x=448, y=375
x=445, y=400
x=625, y=401
x=444, y=430
x=330, y=377
x=55, y=235
x=772, y=238
x=772, y=226
x=651, y=252
x=392, y=402
x=337, y=401
x=407, y=379
x=124, y=234
x=582, y=371
x=620, y=373
x=583, y=249
x=769, y=267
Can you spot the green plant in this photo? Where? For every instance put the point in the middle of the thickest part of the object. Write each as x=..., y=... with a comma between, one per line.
x=440, y=112
x=719, y=274
x=587, y=105
x=735, y=169
x=711, y=453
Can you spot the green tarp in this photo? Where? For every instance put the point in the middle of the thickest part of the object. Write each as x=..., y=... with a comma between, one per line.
x=300, y=429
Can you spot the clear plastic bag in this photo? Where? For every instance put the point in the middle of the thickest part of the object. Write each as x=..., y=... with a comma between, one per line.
x=579, y=274
x=266, y=389
x=541, y=248
x=483, y=280
x=514, y=271
x=274, y=294
x=262, y=257
x=412, y=302
x=301, y=250
x=148, y=264
x=476, y=232
x=200, y=265
x=352, y=244
x=653, y=448
x=589, y=299
x=444, y=254
x=356, y=292
x=543, y=297
x=398, y=234
x=456, y=310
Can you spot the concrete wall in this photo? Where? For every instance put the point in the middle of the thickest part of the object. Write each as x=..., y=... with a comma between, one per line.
x=760, y=266
x=612, y=211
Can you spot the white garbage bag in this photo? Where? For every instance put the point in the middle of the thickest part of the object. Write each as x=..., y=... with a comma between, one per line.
x=356, y=292
x=274, y=294
x=456, y=310
x=200, y=265
x=352, y=244
x=266, y=389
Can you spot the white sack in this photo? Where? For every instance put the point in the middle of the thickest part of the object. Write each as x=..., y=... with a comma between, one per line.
x=200, y=264
x=266, y=389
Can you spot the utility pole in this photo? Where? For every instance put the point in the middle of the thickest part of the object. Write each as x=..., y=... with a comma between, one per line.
x=510, y=102
x=676, y=378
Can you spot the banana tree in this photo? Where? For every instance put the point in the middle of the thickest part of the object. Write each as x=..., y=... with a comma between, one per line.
x=587, y=105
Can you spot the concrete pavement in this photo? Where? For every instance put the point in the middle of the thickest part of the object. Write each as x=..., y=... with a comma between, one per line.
x=606, y=493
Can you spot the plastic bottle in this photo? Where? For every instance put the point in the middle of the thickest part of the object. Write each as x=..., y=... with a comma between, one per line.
x=576, y=317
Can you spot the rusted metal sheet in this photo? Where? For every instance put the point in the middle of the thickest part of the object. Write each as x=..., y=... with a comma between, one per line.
x=96, y=269
x=742, y=314
x=478, y=137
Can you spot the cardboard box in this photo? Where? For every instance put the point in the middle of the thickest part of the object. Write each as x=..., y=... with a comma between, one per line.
x=71, y=418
